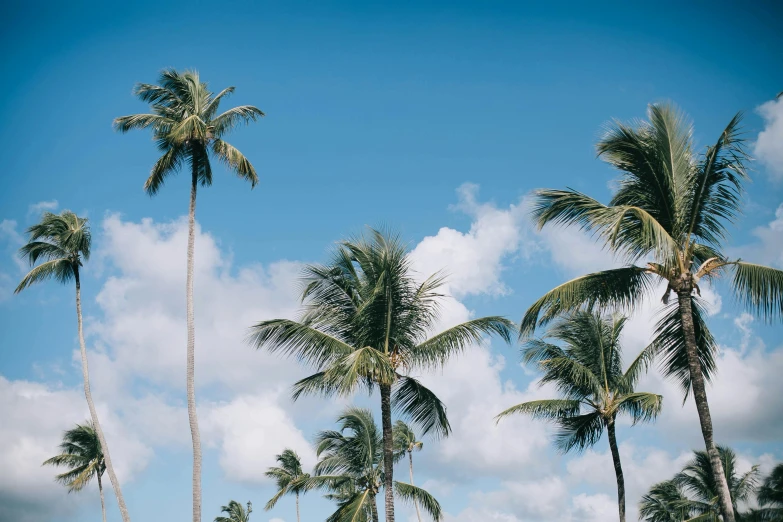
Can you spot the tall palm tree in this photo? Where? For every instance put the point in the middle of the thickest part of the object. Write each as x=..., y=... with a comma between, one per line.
x=405, y=443
x=365, y=323
x=351, y=469
x=288, y=477
x=235, y=512
x=62, y=242
x=587, y=369
x=82, y=454
x=693, y=493
x=188, y=129
x=671, y=209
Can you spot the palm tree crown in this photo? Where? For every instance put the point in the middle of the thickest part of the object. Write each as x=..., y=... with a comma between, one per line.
x=405, y=440
x=289, y=477
x=81, y=453
x=187, y=127
x=61, y=242
x=236, y=512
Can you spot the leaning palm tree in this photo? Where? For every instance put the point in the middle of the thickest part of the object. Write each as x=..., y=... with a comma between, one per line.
x=188, y=129
x=587, y=369
x=62, y=242
x=405, y=443
x=82, y=454
x=235, y=512
x=693, y=495
x=365, y=323
x=288, y=477
x=351, y=470
x=671, y=209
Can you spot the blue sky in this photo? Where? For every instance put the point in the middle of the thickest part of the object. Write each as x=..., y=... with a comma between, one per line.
x=377, y=113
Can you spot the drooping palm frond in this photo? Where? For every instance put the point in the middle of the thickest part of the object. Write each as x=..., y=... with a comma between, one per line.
x=642, y=407
x=759, y=288
x=305, y=343
x=665, y=502
x=421, y=406
x=410, y=493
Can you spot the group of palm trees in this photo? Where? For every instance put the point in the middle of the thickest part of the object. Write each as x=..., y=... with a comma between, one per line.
x=368, y=319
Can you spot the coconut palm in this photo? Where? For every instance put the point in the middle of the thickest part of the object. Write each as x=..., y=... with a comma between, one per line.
x=351, y=470
x=770, y=496
x=62, y=243
x=587, y=369
x=235, y=512
x=365, y=323
x=188, y=129
x=405, y=443
x=288, y=477
x=693, y=495
x=671, y=209
x=82, y=454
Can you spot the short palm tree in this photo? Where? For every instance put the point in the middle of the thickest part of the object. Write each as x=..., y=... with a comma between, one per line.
x=670, y=212
x=351, y=470
x=587, y=369
x=82, y=454
x=693, y=495
x=236, y=512
x=288, y=477
x=188, y=130
x=405, y=443
x=62, y=242
x=366, y=322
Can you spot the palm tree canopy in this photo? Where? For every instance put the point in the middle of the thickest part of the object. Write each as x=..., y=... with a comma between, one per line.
x=80, y=452
x=187, y=128
x=236, y=512
x=60, y=241
x=367, y=321
x=692, y=493
x=405, y=440
x=586, y=366
x=771, y=491
x=350, y=469
x=671, y=210
x=288, y=476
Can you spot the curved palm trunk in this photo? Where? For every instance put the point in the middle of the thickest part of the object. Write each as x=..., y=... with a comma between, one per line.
x=374, y=509
x=190, y=378
x=103, y=503
x=618, y=469
x=415, y=503
x=702, y=407
x=297, y=508
x=93, y=413
x=388, y=452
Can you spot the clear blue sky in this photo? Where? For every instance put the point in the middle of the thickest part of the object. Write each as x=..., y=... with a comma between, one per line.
x=376, y=113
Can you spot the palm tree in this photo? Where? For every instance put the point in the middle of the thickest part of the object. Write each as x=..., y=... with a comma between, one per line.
x=406, y=442
x=62, y=242
x=770, y=496
x=187, y=129
x=693, y=493
x=235, y=512
x=351, y=470
x=82, y=454
x=588, y=371
x=366, y=322
x=672, y=208
x=288, y=476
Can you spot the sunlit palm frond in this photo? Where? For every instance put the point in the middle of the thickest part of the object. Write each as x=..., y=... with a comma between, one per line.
x=548, y=409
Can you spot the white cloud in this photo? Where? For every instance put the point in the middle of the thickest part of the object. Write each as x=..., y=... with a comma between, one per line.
x=768, y=249
x=35, y=209
x=769, y=144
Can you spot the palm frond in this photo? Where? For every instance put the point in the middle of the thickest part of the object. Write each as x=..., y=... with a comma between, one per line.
x=235, y=160
x=300, y=341
x=548, y=409
x=233, y=117
x=759, y=288
x=62, y=270
x=641, y=406
x=421, y=406
x=579, y=431
x=411, y=493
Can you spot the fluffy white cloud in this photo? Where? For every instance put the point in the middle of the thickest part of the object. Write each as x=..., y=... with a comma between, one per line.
x=35, y=209
x=768, y=249
x=769, y=144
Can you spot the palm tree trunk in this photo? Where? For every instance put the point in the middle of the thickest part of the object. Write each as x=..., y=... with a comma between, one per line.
x=297, y=508
x=93, y=413
x=190, y=378
x=374, y=509
x=618, y=469
x=415, y=503
x=388, y=452
x=702, y=407
x=103, y=503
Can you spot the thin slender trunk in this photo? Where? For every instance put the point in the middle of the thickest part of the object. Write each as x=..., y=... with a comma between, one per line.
x=93, y=413
x=618, y=469
x=415, y=503
x=374, y=509
x=103, y=503
x=190, y=378
x=388, y=452
x=297, y=508
x=702, y=407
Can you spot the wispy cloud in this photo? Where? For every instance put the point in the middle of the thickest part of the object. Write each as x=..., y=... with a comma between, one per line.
x=36, y=208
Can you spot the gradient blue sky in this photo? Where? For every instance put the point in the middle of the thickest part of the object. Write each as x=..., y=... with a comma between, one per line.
x=376, y=114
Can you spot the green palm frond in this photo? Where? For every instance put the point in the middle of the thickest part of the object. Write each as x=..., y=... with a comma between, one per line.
x=236, y=512
x=665, y=502
x=642, y=407
x=759, y=288
x=548, y=409
x=770, y=492
x=421, y=406
x=61, y=270
x=303, y=342
x=235, y=160
x=410, y=493
x=578, y=432
x=244, y=114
